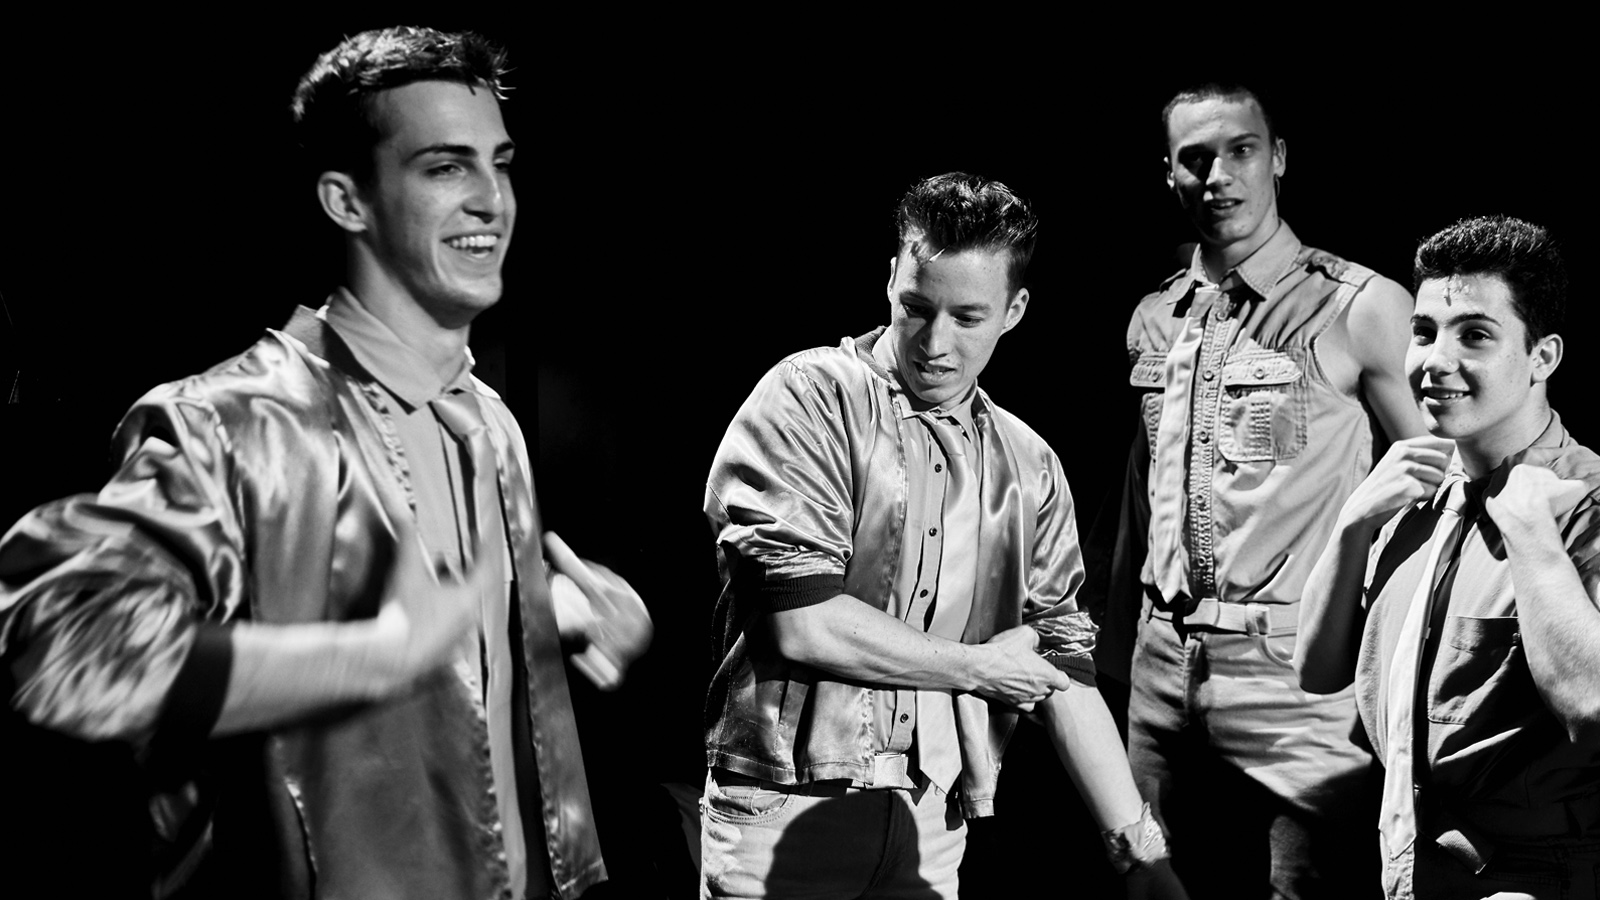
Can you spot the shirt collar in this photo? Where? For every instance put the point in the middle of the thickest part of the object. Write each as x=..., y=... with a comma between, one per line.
x=1260, y=271
x=401, y=370
x=1552, y=438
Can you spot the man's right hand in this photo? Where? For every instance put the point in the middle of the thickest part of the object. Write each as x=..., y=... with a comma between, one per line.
x=425, y=618
x=1412, y=469
x=1010, y=671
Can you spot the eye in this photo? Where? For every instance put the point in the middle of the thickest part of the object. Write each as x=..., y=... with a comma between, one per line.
x=1476, y=335
x=503, y=165
x=913, y=310
x=443, y=169
x=1421, y=334
x=969, y=321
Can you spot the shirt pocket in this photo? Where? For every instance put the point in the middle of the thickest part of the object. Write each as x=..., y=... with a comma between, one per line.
x=1479, y=671
x=1150, y=375
x=1263, y=408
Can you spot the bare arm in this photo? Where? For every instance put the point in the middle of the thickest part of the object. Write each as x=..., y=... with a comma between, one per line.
x=1379, y=325
x=851, y=640
x=1331, y=616
x=1559, y=621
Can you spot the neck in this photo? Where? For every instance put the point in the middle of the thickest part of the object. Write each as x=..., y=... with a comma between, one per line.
x=1220, y=259
x=1484, y=452
x=443, y=345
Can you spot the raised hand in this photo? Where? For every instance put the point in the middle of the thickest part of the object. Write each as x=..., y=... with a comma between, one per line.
x=423, y=622
x=616, y=622
x=1533, y=497
x=1412, y=469
x=1013, y=673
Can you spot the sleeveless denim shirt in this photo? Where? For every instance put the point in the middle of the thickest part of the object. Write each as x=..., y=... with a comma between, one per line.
x=1274, y=447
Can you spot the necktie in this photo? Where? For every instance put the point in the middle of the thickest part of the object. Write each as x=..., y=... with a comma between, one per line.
x=938, y=744
x=459, y=413
x=1398, y=814
x=1169, y=505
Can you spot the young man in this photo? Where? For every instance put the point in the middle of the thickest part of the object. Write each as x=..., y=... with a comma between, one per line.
x=1260, y=362
x=252, y=600
x=1469, y=622
x=899, y=562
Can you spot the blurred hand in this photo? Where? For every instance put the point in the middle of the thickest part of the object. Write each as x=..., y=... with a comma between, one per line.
x=424, y=620
x=616, y=623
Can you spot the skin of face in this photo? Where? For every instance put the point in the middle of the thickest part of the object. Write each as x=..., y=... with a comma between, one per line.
x=947, y=312
x=1221, y=165
x=1471, y=371
x=440, y=208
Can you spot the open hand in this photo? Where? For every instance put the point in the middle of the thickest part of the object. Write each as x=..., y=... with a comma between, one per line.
x=425, y=618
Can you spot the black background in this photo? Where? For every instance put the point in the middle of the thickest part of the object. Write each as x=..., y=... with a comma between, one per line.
x=698, y=200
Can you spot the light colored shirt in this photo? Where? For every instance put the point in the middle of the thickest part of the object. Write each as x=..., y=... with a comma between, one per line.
x=437, y=461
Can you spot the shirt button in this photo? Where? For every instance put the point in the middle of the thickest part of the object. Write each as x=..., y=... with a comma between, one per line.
x=497, y=827
x=1209, y=374
x=933, y=532
x=1205, y=437
x=1261, y=372
x=924, y=593
x=938, y=467
x=905, y=717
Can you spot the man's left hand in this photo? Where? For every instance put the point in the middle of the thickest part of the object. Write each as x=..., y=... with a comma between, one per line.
x=1532, y=499
x=616, y=622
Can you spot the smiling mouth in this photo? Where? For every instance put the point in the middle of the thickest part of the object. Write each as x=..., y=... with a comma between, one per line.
x=1441, y=395
x=477, y=246
x=934, y=372
x=1223, y=205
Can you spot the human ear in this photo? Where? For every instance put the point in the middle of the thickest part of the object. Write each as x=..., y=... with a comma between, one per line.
x=1547, y=356
x=1172, y=183
x=1015, y=309
x=336, y=192
x=1280, y=157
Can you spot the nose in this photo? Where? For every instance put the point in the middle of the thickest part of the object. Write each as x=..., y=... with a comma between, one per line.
x=1219, y=173
x=488, y=197
x=1441, y=358
x=937, y=336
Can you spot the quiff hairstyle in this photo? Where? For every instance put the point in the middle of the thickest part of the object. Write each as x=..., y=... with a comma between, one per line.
x=333, y=104
x=1521, y=254
x=956, y=212
x=1215, y=90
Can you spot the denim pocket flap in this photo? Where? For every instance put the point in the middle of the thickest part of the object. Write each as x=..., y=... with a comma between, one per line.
x=1252, y=371
x=1149, y=371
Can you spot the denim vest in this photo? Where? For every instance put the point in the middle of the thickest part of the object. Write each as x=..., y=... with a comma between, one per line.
x=1274, y=446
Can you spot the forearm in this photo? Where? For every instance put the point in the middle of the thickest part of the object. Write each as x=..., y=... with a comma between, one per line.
x=1331, y=616
x=1085, y=737
x=851, y=640
x=281, y=673
x=1560, y=626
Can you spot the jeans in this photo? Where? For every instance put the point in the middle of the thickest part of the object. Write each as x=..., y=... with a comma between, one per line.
x=1555, y=869
x=1257, y=782
x=827, y=840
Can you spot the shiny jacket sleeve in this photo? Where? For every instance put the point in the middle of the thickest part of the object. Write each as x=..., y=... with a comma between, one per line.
x=779, y=493
x=109, y=602
x=1055, y=574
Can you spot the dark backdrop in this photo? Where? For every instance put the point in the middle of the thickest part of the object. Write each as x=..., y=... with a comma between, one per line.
x=693, y=206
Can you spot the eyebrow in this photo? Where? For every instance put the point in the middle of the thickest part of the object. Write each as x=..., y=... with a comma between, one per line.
x=1459, y=318
x=460, y=150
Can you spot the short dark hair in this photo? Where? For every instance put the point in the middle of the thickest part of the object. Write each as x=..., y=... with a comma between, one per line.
x=957, y=212
x=333, y=104
x=1214, y=90
x=1521, y=254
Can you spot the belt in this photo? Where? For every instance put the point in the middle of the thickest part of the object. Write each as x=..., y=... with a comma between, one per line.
x=1268, y=619
x=890, y=771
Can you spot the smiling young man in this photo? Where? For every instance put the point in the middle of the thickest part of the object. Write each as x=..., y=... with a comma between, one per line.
x=1459, y=590
x=252, y=603
x=1260, y=363
x=899, y=562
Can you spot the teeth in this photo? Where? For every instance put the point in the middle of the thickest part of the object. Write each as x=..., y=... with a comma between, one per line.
x=474, y=242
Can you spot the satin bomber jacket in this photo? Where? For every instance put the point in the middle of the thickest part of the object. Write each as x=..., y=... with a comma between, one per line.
x=265, y=490
x=806, y=499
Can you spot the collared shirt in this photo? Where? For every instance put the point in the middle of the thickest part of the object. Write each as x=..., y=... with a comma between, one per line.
x=933, y=588
x=1489, y=737
x=1274, y=447
x=436, y=460
x=807, y=498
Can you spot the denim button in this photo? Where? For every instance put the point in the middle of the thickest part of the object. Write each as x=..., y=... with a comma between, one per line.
x=905, y=717
x=933, y=532
x=938, y=467
x=1209, y=374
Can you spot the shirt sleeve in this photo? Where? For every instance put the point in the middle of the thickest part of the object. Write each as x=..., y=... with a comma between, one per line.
x=779, y=494
x=1066, y=634
x=110, y=604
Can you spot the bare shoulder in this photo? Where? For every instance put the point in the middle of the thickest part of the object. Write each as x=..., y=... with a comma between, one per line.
x=1380, y=309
